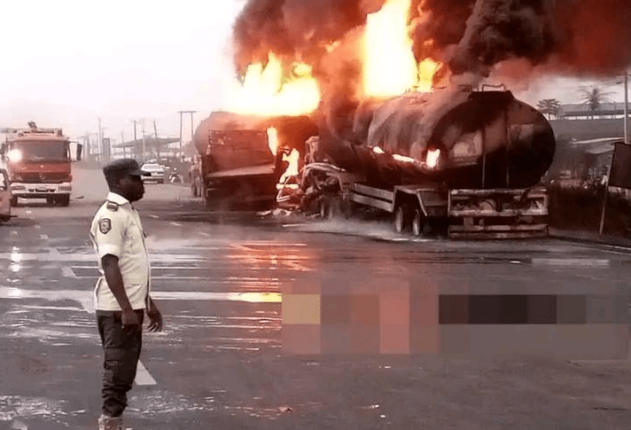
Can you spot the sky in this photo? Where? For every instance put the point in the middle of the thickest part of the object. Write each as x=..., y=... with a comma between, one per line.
x=67, y=63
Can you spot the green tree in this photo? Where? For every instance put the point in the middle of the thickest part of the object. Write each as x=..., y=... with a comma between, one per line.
x=593, y=97
x=549, y=107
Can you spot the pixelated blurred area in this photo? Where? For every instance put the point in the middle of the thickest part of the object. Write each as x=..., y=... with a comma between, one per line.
x=395, y=314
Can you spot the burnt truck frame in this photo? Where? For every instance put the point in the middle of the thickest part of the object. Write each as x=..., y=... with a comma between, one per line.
x=424, y=208
x=481, y=194
x=238, y=170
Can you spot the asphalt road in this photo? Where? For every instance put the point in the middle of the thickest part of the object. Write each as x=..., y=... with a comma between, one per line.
x=227, y=285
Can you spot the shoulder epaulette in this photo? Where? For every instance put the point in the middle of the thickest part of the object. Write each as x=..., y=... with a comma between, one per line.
x=112, y=206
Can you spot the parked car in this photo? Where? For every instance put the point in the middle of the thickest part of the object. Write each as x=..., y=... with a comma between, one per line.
x=155, y=172
x=5, y=196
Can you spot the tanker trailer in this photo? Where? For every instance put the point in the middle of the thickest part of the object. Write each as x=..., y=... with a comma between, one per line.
x=240, y=166
x=469, y=162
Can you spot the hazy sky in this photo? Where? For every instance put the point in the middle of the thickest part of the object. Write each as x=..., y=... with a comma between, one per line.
x=68, y=62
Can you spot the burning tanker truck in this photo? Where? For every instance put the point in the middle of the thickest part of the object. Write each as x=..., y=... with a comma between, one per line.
x=243, y=157
x=468, y=162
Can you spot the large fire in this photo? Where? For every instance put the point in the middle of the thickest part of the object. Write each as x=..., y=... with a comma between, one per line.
x=390, y=68
x=264, y=93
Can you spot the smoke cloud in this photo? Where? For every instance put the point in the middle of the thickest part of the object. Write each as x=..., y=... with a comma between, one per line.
x=514, y=39
x=572, y=37
x=569, y=37
x=296, y=29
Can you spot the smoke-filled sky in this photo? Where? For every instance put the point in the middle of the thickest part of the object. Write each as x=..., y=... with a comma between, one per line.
x=68, y=62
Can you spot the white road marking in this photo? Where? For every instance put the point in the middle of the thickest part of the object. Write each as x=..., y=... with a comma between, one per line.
x=154, y=216
x=85, y=297
x=43, y=236
x=29, y=212
x=68, y=272
x=572, y=262
x=37, y=227
x=143, y=377
x=203, y=233
x=176, y=224
x=14, y=233
x=55, y=255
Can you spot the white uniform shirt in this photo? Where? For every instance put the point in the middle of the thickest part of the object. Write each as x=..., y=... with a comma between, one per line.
x=116, y=230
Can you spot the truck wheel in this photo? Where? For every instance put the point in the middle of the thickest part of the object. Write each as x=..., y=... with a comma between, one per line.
x=418, y=222
x=51, y=200
x=401, y=219
x=14, y=201
x=63, y=200
x=196, y=188
x=328, y=208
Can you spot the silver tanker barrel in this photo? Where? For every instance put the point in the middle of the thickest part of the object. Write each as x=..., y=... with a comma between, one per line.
x=462, y=139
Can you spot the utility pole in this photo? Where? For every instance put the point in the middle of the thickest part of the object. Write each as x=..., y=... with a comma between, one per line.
x=101, y=152
x=182, y=112
x=135, y=139
x=155, y=134
x=123, y=144
x=192, y=131
x=144, y=144
x=626, y=108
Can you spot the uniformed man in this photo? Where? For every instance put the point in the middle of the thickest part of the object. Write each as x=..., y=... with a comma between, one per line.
x=121, y=295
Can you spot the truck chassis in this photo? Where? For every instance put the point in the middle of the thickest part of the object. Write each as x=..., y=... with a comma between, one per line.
x=423, y=208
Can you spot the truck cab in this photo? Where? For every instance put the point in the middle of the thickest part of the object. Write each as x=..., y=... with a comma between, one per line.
x=38, y=162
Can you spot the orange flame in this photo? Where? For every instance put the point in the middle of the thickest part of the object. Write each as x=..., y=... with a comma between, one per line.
x=293, y=158
x=390, y=68
x=294, y=164
x=264, y=93
x=272, y=140
x=432, y=158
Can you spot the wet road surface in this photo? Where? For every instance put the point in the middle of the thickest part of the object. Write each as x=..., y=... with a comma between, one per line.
x=220, y=361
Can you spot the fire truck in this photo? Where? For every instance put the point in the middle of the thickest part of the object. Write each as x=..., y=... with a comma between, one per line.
x=38, y=162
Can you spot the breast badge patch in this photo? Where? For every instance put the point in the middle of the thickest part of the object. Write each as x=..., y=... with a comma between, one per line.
x=105, y=225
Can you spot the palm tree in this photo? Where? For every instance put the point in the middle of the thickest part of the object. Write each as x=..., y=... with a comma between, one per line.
x=549, y=107
x=593, y=97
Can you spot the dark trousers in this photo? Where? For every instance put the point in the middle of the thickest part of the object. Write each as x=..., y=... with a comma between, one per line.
x=121, y=353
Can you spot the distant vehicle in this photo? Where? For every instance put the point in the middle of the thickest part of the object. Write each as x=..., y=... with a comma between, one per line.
x=155, y=172
x=38, y=162
x=5, y=196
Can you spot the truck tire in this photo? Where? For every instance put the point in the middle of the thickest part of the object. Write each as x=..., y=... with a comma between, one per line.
x=418, y=222
x=63, y=200
x=14, y=201
x=401, y=218
x=51, y=200
x=329, y=208
x=196, y=187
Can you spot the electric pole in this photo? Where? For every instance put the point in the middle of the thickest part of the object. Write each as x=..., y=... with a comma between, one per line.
x=626, y=108
x=144, y=145
x=135, y=139
x=100, y=140
x=155, y=134
x=182, y=112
